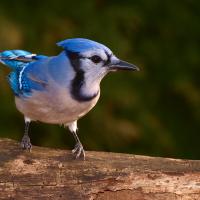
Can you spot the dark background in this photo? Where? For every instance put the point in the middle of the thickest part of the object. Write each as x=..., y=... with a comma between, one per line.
x=155, y=111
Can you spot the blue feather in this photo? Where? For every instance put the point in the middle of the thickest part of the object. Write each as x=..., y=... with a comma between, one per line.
x=80, y=45
x=13, y=81
x=8, y=58
x=18, y=60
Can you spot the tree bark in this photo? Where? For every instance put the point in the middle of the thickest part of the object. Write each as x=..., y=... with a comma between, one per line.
x=46, y=173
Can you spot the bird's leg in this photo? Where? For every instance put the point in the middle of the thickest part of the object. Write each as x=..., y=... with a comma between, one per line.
x=26, y=143
x=78, y=149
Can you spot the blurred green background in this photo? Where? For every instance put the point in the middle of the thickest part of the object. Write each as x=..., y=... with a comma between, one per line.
x=155, y=111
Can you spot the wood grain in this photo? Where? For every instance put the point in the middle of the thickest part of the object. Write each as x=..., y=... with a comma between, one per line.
x=48, y=173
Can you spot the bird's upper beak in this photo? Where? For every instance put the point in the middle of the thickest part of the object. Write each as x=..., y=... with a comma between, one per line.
x=121, y=65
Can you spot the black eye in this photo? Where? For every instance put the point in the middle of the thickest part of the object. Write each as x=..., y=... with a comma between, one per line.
x=95, y=59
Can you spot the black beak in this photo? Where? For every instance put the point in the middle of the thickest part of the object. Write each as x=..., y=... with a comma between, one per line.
x=122, y=65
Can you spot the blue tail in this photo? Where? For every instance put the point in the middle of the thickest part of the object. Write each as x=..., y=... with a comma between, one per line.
x=17, y=60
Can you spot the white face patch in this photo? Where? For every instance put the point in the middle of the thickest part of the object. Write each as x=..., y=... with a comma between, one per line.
x=88, y=63
x=93, y=71
x=94, y=63
x=99, y=52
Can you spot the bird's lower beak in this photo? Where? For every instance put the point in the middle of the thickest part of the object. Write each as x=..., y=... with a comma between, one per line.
x=122, y=65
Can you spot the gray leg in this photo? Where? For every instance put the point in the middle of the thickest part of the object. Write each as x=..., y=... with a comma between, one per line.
x=78, y=149
x=26, y=143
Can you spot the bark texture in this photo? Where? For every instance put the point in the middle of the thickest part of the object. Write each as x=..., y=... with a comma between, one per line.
x=53, y=174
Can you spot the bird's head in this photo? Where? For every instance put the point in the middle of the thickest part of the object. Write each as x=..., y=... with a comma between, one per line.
x=91, y=61
x=91, y=56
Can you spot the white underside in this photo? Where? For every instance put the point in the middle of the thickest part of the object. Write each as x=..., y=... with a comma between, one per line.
x=58, y=108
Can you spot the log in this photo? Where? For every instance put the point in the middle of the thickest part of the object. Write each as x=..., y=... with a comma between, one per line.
x=46, y=173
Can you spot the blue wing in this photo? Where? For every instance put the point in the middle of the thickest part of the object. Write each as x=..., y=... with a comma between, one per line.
x=18, y=60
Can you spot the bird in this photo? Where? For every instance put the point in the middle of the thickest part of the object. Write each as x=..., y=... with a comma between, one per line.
x=63, y=88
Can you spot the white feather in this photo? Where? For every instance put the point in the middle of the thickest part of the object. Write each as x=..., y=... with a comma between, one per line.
x=20, y=76
x=73, y=126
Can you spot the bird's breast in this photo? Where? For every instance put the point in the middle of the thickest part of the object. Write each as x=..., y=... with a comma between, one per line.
x=56, y=106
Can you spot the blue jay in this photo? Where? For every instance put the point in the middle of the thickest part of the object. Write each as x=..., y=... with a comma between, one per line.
x=63, y=88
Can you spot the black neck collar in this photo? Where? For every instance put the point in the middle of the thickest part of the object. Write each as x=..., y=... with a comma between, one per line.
x=79, y=79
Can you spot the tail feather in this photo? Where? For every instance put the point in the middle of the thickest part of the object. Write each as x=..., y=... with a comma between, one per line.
x=18, y=58
x=10, y=57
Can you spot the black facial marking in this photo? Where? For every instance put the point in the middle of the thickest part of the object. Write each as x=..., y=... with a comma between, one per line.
x=108, y=59
x=79, y=79
x=74, y=59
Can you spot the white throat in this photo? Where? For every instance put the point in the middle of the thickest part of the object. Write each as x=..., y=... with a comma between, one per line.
x=92, y=82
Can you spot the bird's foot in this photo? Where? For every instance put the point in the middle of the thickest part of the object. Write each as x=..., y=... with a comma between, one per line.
x=79, y=151
x=26, y=143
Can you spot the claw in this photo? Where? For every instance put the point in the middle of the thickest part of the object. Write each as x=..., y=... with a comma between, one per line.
x=79, y=151
x=26, y=143
x=75, y=148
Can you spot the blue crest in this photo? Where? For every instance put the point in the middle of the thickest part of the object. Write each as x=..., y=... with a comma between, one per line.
x=80, y=45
